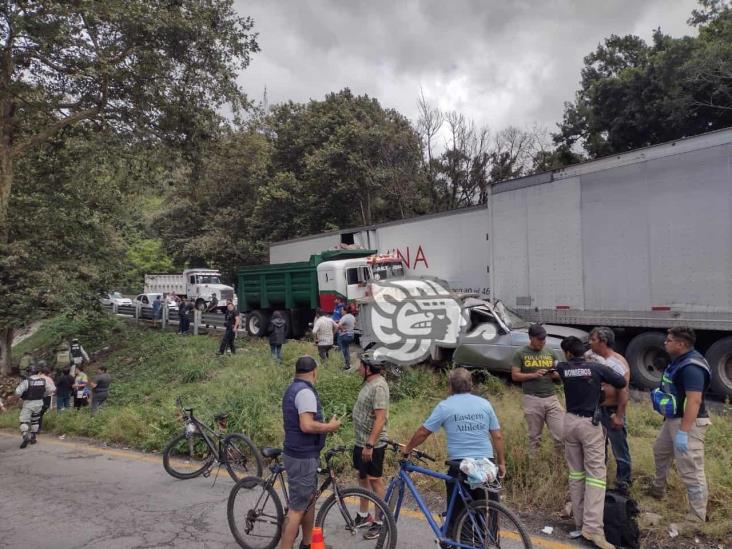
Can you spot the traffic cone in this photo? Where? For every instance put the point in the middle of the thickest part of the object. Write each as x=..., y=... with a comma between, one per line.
x=317, y=541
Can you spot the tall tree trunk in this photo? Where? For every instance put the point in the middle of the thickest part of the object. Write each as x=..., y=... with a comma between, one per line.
x=6, y=185
x=6, y=350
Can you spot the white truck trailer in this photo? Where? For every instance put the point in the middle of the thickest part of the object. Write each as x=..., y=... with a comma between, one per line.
x=639, y=241
x=202, y=285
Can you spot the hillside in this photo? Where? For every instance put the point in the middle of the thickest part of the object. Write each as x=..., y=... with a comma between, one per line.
x=151, y=369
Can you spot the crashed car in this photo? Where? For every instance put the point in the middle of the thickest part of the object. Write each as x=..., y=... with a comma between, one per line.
x=411, y=321
x=494, y=333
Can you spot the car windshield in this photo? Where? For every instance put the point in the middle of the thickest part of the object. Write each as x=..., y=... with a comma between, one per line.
x=208, y=279
x=383, y=271
x=116, y=295
x=510, y=318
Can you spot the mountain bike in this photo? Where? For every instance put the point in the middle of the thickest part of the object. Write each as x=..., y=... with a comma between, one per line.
x=256, y=514
x=481, y=524
x=195, y=451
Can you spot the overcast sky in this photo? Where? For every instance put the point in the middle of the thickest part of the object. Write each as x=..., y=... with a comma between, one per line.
x=499, y=62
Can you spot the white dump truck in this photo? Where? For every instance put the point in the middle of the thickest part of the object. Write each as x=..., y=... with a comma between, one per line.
x=639, y=241
x=202, y=285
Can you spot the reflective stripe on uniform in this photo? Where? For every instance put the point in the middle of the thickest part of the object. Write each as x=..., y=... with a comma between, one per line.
x=597, y=482
x=576, y=475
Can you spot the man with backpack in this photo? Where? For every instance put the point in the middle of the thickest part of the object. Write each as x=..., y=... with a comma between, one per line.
x=584, y=439
x=680, y=400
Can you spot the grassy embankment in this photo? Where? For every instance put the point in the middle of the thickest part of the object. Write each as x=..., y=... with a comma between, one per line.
x=150, y=369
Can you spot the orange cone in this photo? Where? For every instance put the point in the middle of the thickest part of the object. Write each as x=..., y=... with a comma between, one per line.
x=317, y=542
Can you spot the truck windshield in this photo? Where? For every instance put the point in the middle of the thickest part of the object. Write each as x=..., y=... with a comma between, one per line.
x=509, y=317
x=208, y=279
x=382, y=271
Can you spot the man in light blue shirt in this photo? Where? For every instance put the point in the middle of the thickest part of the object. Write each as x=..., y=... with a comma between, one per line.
x=471, y=427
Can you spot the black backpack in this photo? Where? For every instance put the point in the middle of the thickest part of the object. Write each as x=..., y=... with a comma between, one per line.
x=621, y=524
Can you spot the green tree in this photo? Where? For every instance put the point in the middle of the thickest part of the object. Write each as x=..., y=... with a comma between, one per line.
x=635, y=94
x=130, y=65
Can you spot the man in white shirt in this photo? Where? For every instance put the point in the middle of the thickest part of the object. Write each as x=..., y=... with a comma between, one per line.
x=323, y=330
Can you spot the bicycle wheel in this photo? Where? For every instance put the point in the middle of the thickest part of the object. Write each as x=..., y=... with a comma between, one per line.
x=487, y=524
x=337, y=518
x=242, y=457
x=187, y=456
x=255, y=514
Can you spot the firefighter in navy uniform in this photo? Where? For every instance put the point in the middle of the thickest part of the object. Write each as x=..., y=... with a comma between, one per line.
x=584, y=439
x=32, y=390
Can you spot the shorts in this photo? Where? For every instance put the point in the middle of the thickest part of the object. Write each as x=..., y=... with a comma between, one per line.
x=373, y=468
x=302, y=480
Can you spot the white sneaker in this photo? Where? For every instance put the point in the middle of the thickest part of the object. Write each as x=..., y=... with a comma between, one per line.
x=574, y=534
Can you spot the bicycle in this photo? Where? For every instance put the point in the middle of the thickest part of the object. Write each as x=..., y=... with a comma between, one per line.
x=481, y=523
x=194, y=451
x=256, y=515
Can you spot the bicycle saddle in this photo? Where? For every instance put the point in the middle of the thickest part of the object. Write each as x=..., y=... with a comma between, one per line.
x=221, y=416
x=271, y=452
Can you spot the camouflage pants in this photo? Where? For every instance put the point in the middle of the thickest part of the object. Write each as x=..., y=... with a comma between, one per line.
x=30, y=416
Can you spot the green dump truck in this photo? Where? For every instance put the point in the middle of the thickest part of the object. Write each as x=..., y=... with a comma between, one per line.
x=298, y=288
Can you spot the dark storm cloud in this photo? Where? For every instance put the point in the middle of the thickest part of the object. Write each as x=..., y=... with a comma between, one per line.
x=498, y=62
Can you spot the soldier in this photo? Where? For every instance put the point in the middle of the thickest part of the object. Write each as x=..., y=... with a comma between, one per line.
x=78, y=355
x=32, y=390
x=584, y=439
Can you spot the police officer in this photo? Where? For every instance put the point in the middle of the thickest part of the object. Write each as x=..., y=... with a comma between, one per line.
x=584, y=439
x=231, y=322
x=78, y=355
x=32, y=390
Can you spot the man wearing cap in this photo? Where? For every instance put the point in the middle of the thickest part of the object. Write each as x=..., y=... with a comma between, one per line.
x=370, y=415
x=305, y=432
x=533, y=368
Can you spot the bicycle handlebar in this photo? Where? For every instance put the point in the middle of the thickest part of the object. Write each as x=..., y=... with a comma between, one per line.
x=333, y=451
x=419, y=454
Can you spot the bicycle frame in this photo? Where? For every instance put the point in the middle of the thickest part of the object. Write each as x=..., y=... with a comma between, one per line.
x=277, y=469
x=403, y=479
x=208, y=435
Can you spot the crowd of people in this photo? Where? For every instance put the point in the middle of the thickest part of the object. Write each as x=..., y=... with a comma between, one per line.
x=69, y=384
x=596, y=393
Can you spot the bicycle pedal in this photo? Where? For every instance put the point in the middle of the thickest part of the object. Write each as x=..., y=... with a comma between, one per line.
x=207, y=473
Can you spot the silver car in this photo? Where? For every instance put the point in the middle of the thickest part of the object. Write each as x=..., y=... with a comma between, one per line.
x=494, y=333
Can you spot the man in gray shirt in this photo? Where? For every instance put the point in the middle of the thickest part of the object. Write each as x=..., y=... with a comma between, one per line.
x=100, y=385
x=345, y=336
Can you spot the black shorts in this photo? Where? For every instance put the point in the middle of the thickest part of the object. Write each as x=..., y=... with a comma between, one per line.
x=373, y=468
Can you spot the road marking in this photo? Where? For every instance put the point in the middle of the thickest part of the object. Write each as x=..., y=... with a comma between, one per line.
x=130, y=454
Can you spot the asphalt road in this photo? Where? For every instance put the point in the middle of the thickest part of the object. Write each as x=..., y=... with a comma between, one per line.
x=69, y=494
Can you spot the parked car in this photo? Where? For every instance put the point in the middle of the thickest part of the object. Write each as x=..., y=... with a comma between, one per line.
x=146, y=301
x=115, y=298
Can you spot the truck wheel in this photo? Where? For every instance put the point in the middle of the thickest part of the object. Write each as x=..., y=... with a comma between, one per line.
x=647, y=358
x=257, y=323
x=719, y=357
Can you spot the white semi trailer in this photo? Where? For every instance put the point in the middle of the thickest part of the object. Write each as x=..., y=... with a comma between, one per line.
x=640, y=241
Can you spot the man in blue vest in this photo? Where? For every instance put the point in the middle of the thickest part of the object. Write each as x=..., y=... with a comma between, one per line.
x=680, y=399
x=305, y=432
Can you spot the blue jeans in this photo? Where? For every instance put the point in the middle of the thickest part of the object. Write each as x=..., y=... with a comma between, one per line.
x=276, y=351
x=619, y=442
x=63, y=402
x=344, y=343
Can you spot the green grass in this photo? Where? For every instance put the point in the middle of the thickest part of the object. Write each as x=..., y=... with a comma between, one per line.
x=150, y=369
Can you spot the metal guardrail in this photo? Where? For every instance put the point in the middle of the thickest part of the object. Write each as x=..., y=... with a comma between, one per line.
x=198, y=319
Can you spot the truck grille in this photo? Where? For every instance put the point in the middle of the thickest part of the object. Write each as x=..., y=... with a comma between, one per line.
x=227, y=294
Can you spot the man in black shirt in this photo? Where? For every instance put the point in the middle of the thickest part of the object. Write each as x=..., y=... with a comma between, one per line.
x=231, y=321
x=584, y=439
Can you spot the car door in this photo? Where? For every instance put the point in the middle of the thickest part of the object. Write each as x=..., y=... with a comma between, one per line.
x=487, y=343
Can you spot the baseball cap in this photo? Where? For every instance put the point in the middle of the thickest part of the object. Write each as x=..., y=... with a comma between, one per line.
x=305, y=364
x=537, y=330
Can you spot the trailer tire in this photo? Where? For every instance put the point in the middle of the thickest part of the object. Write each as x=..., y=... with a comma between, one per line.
x=257, y=322
x=719, y=357
x=647, y=358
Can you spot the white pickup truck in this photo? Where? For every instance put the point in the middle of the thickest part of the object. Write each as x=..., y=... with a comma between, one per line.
x=202, y=285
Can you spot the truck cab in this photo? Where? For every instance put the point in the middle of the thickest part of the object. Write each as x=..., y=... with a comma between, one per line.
x=204, y=286
x=349, y=278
